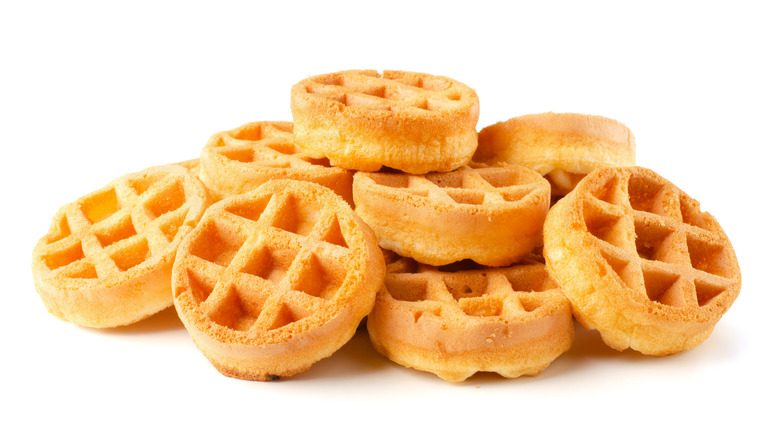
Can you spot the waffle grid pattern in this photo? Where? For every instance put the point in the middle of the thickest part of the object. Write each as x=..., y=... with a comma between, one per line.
x=677, y=257
x=397, y=92
x=263, y=145
x=475, y=186
x=117, y=228
x=507, y=293
x=265, y=264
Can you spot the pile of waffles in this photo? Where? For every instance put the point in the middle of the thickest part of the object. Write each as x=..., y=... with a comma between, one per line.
x=462, y=250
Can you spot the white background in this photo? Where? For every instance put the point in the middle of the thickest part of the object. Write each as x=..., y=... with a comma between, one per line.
x=91, y=91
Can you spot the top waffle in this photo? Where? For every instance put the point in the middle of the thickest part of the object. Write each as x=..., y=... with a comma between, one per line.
x=492, y=215
x=239, y=160
x=275, y=279
x=106, y=260
x=640, y=261
x=363, y=120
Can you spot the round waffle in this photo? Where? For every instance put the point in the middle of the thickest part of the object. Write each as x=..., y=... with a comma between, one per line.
x=363, y=120
x=512, y=321
x=562, y=147
x=106, y=260
x=239, y=160
x=492, y=215
x=640, y=261
x=275, y=279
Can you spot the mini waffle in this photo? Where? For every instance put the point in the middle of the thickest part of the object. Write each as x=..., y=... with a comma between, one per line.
x=363, y=120
x=640, y=261
x=492, y=215
x=239, y=160
x=275, y=279
x=512, y=321
x=106, y=260
x=562, y=147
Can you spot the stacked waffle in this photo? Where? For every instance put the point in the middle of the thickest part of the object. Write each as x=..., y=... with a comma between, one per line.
x=382, y=200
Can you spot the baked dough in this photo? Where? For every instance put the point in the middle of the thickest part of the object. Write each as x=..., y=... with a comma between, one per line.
x=273, y=280
x=640, y=262
x=239, y=160
x=106, y=260
x=363, y=120
x=513, y=321
x=563, y=147
x=492, y=215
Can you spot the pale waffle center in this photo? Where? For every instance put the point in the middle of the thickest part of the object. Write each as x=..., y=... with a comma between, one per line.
x=658, y=242
x=117, y=228
x=466, y=186
x=397, y=92
x=509, y=294
x=267, y=264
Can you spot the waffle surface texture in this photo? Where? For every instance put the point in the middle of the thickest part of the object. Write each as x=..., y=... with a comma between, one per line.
x=640, y=262
x=106, y=260
x=363, y=120
x=273, y=280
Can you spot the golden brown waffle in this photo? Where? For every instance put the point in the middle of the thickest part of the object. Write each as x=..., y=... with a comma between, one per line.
x=239, y=160
x=275, y=279
x=363, y=120
x=562, y=147
x=106, y=260
x=640, y=261
x=492, y=215
x=512, y=321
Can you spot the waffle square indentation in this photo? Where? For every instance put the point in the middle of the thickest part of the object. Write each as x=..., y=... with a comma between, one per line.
x=166, y=200
x=64, y=256
x=100, y=205
x=132, y=254
x=481, y=307
x=216, y=244
x=120, y=230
